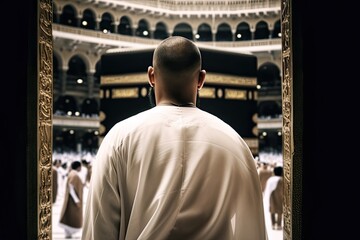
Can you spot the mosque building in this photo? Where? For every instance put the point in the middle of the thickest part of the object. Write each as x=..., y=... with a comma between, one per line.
x=85, y=31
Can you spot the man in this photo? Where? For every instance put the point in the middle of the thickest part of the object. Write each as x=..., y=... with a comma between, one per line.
x=273, y=197
x=71, y=216
x=174, y=171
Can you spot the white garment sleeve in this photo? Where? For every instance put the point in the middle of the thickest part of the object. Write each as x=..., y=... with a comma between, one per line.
x=73, y=193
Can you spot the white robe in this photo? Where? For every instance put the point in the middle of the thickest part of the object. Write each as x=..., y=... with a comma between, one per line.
x=174, y=173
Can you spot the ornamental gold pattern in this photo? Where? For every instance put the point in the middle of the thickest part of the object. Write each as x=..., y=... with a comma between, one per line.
x=125, y=93
x=235, y=94
x=213, y=78
x=207, y=92
x=129, y=78
x=231, y=80
x=44, y=122
x=287, y=114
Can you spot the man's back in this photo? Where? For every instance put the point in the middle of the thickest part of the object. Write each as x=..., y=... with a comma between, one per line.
x=174, y=173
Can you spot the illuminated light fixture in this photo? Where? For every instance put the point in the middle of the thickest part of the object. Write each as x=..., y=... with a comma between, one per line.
x=84, y=23
x=105, y=30
x=264, y=133
x=71, y=131
x=238, y=35
x=69, y=113
x=279, y=34
x=258, y=86
x=96, y=132
x=145, y=33
x=279, y=133
x=79, y=81
x=197, y=36
x=77, y=113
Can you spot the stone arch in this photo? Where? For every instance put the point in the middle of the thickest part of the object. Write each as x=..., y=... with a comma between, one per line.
x=125, y=26
x=261, y=30
x=161, y=31
x=223, y=32
x=68, y=15
x=268, y=75
x=204, y=32
x=88, y=20
x=243, y=32
x=143, y=29
x=107, y=22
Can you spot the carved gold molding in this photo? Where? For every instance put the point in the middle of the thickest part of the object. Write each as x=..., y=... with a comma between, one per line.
x=231, y=80
x=125, y=93
x=44, y=122
x=235, y=94
x=287, y=130
x=130, y=78
x=207, y=92
x=213, y=78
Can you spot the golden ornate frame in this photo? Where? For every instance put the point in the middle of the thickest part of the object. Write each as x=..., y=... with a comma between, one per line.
x=287, y=129
x=44, y=122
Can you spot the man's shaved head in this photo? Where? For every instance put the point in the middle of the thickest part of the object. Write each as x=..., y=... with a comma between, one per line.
x=176, y=73
x=177, y=54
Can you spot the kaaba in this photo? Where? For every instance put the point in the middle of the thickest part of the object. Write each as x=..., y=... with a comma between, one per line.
x=229, y=91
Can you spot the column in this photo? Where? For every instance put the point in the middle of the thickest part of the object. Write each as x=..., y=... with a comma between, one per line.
x=62, y=77
x=90, y=81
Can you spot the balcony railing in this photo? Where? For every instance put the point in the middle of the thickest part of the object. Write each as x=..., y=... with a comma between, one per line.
x=76, y=122
x=117, y=40
x=194, y=6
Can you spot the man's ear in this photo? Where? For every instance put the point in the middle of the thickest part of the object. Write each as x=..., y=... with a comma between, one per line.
x=151, y=78
x=201, y=80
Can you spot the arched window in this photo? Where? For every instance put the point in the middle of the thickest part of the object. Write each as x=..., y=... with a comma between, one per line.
x=124, y=27
x=76, y=74
x=143, y=29
x=160, y=31
x=184, y=30
x=224, y=33
x=277, y=30
x=66, y=105
x=243, y=32
x=106, y=23
x=68, y=16
x=262, y=30
x=268, y=75
x=204, y=33
x=90, y=108
x=88, y=20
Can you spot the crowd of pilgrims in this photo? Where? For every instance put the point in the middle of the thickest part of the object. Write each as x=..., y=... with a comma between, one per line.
x=72, y=173
x=270, y=171
x=71, y=176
